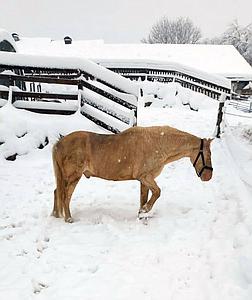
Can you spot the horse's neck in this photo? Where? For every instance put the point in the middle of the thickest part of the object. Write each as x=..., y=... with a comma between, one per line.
x=180, y=146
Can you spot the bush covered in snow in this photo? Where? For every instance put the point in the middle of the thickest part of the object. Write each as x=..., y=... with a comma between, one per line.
x=173, y=94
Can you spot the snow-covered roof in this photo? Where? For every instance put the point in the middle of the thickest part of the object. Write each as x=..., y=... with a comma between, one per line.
x=222, y=60
x=5, y=35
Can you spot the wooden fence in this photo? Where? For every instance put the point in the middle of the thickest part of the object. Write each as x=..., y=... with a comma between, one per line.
x=42, y=90
x=208, y=88
x=243, y=105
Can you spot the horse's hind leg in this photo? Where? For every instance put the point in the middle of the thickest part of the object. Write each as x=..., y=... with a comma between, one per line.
x=57, y=205
x=55, y=211
x=70, y=187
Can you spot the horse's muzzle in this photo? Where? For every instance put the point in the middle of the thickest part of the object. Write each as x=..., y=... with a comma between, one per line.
x=206, y=175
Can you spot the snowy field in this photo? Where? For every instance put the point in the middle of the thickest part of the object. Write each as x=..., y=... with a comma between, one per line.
x=197, y=246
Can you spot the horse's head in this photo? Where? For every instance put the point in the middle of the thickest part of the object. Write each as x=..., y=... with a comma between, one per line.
x=201, y=160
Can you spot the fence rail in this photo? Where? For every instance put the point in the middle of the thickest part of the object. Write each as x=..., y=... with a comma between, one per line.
x=101, y=102
x=212, y=86
x=243, y=105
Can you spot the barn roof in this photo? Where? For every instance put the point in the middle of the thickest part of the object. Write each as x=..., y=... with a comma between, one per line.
x=222, y=60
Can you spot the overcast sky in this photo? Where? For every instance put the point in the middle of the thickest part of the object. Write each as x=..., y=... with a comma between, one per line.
x=116, y=21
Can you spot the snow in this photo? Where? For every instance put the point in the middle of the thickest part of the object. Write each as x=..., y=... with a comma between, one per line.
x=173, y=94
x=239, y=138
x=66, y=105
x=30, y=130
x=3, y=88
x=110, y=106
x=197, y=245
x=85, y=65
x=102, y=116
x=222, y=60
x=127, y=97
x=7, y=72
x=185, y=68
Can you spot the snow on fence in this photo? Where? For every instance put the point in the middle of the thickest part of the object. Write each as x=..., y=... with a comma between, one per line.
x=224, y=110
x=196, y=80
x=219, y=123
x=86, y=67
x=104, y=97
x=243, y=105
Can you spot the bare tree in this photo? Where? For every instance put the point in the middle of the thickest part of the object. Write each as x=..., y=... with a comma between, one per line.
x=248, y=55
x=238, y=36
x=179, y=31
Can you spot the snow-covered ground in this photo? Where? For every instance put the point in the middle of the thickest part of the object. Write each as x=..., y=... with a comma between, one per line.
x=197, y=246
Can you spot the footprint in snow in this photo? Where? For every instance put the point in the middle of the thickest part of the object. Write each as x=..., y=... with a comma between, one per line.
x=93, y=269
x=38, y=286
x=42, y=244
x=185, y=210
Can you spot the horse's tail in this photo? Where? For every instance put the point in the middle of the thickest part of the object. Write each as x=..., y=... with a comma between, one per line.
x=59, y=195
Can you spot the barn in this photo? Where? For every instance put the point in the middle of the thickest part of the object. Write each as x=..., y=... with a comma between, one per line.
x=154, y=61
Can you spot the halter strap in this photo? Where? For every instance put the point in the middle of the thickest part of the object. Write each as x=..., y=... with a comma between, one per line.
x=201, y=155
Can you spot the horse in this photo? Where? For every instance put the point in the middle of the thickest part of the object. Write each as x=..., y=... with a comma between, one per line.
x=138, y=153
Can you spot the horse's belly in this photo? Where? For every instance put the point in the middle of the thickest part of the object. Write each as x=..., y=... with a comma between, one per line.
x=110, y=171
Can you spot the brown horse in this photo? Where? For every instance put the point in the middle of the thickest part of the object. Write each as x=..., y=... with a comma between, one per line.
x=138, y=153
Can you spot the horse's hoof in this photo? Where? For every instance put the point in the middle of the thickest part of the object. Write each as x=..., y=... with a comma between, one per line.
x=69, y=220
x=143, y=215
x=143, y=218
x=55, y=214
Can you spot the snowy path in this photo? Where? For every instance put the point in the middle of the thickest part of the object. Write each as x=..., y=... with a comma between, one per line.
x=197, y=246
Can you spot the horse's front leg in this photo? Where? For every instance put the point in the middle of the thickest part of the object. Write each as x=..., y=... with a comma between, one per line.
x=150, y=183
x=143, y=195
x=144, y=192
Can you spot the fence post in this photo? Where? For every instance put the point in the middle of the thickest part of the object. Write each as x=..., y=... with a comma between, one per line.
x=80, y=89
x=39, y=88
x=133, y=118
x=139, y=101
x=140, y=105
x=220, y=114
x=10, y=96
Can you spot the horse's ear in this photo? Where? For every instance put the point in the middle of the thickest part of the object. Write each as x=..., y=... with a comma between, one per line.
x=209, y=141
